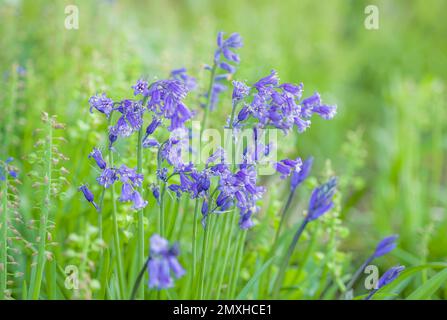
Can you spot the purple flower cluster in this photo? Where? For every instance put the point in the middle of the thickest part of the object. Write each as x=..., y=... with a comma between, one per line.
x=278, y=105
x=130, y=179
x=223, y=69
x=163, y=263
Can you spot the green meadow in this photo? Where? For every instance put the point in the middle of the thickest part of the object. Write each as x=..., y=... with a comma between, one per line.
x=387, y=145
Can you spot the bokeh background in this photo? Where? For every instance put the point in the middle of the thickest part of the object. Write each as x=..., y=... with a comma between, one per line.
x=388, y=141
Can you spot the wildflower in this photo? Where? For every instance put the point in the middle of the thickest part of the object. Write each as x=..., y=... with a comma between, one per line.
x=163, y=263
x=389, y=276
x=141, y=87
x=97, y=156
x=128, y=175
x=181, y=75
x=240, y=91
x=385, y=246
x=156, y=192
x=225, y=46
x=165, y=100
x=153, y=126
x=287, y=167
x=101, y=103
x=88, y=195
x=224, y=50
x=299, y=176
x=107, y=177
x=278, y=105
x=321, y=199
x=138, y=201
x=126, y=192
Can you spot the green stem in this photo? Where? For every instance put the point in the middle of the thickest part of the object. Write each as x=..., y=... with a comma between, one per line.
x=141, y=252
x=138, y=280
x=208, y=102
x=37, y=279
x=237, y=266
x=4, y=241
x=227, y=255
x=286, y=259
x=116, y=237
x=284, y=215
x=194, y=240
x=204, y=258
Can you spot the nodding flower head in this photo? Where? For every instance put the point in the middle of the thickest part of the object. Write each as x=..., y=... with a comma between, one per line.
x=163, y=263
x=97, y=156
x=240, y=91
x=321, y=199
x=101, y=103
x=299, y=176
x=390, y=275
x=286, y=167
x=88, y=195
x=107, y=177
x=386, y=245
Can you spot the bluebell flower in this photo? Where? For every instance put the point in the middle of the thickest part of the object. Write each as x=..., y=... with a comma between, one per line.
x=97, y=156
x=321, y=199
x=156, y=192
x=286, y=167
x=385, y=246
x=155, y=123
x=280, y=106
x=128, y=175
x=163, y=263
x=298, y=177
x=107, y=177
x=225, y=47
x=389, y=276
x=181, y=75
x=138, y=201
x=101, y=103
x=166, y=100
x=88, y=195
x=126, y=192
x=240, y=91
x=150, y=143
x=141, y=87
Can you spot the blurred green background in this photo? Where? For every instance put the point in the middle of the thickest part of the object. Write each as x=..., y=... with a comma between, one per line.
x=388, y=140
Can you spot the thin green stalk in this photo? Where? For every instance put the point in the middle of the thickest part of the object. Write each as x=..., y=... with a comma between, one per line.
x=358, y=273
x=204, y=258
x=286, y=259
x=4, y=241
x=227, y=255
x=238, y=262
x=194, y=241
x=116, y=237
x=218, y=253
x=141, y=252
x=37, y=278
x=208, y=102
x=212, y=252
x=284, y=215
x=138, y=280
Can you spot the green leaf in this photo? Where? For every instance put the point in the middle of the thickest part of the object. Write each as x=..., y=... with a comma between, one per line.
x=244, y=292
x=430, y=287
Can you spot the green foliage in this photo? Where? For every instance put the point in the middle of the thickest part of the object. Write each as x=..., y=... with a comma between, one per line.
x=387, y=144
